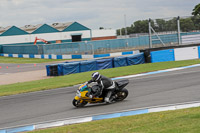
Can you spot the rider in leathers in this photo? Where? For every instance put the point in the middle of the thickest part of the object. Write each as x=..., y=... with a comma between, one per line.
x=104, y=83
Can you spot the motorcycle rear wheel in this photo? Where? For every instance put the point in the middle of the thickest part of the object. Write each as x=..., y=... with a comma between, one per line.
x=122, y=95
x=77, y=103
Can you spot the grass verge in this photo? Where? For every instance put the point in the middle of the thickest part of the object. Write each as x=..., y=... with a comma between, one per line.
x=177, y=121
x=26, y=60
x=73, y=79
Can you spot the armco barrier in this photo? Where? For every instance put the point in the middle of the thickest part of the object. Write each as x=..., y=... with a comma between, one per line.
x=172, y=53
x=199, y=51
x=187, y=53
x=83, y=66
x=162, y=55
x=52, y=56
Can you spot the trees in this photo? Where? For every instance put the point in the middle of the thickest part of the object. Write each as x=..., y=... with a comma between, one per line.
x=161, y=25
x=187, y=25
x=196, y=10
x=140, y=26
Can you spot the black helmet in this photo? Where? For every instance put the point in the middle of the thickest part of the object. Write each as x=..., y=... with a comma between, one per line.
x=96, y=76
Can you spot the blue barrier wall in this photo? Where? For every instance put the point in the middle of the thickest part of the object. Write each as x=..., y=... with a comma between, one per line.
x=83, y=66
x=162, y=55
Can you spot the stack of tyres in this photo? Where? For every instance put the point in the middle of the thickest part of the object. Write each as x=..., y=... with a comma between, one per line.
x=52, y=70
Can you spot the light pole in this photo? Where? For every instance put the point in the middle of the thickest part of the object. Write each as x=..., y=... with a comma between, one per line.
x=125, y=25
x=125, y=30
x=179, y=31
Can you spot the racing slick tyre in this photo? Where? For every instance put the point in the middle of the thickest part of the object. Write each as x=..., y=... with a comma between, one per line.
x=121, y=95
x=77, y=103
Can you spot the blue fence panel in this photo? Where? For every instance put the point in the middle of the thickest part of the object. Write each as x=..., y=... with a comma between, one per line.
x=133, y=42
x=89, y=46
x=162, y=55
x=143, y=40
x=199, y=51
x=20, y=49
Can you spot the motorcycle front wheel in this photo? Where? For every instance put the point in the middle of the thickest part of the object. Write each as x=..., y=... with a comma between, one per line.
x=122, y=94
x=77, y=103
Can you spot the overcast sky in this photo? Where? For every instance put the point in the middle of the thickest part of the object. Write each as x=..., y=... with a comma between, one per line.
x=91, y=13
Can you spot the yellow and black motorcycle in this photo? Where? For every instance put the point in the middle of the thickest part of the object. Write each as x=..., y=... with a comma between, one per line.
x=82, y=95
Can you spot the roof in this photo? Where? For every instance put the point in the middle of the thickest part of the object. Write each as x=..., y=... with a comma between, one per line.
x=45, y=28
x=75, y=27
x=30, y=28
x=2, y=29
x=61, y=26
x=13, y=31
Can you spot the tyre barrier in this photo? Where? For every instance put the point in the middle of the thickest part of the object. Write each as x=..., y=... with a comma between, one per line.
x=91, y=65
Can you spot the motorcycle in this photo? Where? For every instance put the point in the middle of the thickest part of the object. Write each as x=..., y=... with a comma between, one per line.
x=82, y=95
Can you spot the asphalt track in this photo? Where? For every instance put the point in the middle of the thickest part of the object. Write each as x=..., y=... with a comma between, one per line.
x=145, y=91
x=6, y=68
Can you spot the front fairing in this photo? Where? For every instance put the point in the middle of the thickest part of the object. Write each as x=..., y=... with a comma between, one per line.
x=81, y=94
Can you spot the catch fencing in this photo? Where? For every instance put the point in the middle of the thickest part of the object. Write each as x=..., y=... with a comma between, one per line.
x=159, y=33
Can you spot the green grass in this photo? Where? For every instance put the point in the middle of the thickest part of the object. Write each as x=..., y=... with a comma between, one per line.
x=73, y=79
x=25, y=60
x=178, y=121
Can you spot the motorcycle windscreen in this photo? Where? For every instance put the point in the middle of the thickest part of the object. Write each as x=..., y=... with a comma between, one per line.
x=83, y=88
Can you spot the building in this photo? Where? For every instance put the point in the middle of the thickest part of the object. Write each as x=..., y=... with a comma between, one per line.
x=54, y=33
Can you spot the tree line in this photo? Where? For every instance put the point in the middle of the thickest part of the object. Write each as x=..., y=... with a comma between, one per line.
x=161, y=25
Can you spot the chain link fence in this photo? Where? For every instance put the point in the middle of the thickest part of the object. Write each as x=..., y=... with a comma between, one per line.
x=169, y=31
x=153, y=33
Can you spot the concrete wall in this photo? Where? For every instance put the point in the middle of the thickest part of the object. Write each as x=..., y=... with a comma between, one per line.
x=175, y=54
x=64, y=36
x=103, y=33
